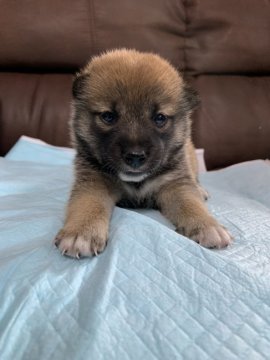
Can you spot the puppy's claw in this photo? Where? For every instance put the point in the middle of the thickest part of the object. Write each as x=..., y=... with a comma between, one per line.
x=78, y=255
x=64, y=252
x=57, y=241
x=204, y=193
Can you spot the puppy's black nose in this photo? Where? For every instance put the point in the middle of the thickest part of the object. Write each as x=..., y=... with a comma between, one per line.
x=135, y=159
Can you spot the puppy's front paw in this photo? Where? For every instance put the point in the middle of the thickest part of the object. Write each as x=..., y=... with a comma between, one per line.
x=81, y=243
x=210, y=236
x=214, y=236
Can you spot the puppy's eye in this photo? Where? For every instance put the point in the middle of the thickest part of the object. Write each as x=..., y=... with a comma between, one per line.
x=160, y=120
x=108, y=117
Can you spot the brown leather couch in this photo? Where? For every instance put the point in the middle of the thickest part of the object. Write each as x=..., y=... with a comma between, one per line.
x=222, y=47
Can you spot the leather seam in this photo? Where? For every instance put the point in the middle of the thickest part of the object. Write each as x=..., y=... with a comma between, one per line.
x=92, y=25
x=186, y=21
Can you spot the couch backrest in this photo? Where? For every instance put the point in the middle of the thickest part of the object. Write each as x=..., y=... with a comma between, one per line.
x=221, y=46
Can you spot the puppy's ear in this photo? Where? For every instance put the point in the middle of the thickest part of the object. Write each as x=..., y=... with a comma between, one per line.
x=190, y=99
x=79, y=85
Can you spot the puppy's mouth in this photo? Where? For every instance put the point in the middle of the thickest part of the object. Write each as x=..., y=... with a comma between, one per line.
x=133, y=176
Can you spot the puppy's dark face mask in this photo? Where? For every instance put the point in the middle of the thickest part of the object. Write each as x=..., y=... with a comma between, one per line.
x=131, y=119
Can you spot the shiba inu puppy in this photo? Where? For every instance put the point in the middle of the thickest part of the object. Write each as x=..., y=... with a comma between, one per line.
x=131, y=129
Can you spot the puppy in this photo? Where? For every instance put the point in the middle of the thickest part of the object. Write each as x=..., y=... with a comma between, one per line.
x=131, y=129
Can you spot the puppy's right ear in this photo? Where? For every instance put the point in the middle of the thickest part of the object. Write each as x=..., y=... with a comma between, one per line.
x=78, y=86
x=190, y=99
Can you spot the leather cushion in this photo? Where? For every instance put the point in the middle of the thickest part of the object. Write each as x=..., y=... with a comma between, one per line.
x=35, y=105
x=233, y=122
x=227, y=36
x=63, y=35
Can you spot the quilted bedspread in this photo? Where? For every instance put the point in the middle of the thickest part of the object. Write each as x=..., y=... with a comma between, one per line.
x=153, y=294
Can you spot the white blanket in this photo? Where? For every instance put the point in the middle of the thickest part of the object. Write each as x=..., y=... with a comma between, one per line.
x=152, y=294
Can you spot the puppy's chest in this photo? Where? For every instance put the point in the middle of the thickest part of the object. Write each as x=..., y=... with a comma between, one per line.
x=134, y=196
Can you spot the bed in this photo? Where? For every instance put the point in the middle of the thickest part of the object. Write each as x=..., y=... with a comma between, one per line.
x=153, y=294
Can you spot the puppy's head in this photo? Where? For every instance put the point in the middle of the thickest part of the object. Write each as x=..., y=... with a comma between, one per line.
x=131, y=114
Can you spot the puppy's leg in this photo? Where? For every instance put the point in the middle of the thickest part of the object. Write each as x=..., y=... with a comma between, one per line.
x=183, y=205
x=193, y=168
x=85, y=230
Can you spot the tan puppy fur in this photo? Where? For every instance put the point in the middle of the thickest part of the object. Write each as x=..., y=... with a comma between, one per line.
x=131, y=129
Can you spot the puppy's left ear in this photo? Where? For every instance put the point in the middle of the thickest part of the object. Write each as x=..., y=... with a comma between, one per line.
x=190, y=99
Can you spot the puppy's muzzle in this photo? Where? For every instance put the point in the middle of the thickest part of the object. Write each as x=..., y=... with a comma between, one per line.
x=135, y=159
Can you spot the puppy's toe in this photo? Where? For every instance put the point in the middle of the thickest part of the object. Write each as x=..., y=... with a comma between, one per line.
x=80, y=245
x=204, y=193
x=98, y=245
x=214, y=236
